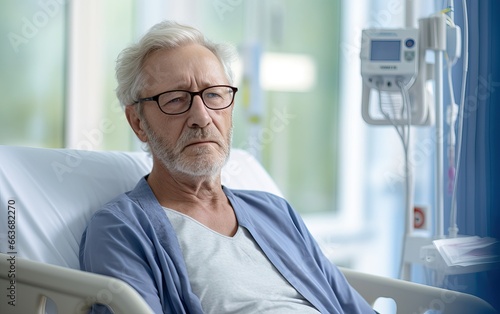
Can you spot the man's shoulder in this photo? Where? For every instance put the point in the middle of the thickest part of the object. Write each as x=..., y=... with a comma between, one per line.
x=122, y=206
x=128, y=205
x=129, y=202
x=255, y=194
x=258, y=201
x=120, y=201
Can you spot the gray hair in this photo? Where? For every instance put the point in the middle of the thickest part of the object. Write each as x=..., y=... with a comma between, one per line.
x=130, y=72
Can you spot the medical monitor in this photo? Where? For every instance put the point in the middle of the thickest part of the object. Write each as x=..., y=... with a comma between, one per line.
x=389, y=57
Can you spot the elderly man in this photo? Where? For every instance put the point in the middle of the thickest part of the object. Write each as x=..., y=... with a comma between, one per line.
x=186, y=243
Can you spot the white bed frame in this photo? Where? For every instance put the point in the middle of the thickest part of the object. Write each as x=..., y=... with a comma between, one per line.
x=73, y=291
x=53, y=192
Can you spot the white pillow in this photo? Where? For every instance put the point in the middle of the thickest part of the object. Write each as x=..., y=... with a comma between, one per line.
x=55, y=191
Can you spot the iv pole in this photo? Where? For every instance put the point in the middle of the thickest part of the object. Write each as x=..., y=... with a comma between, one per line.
x=433, y=37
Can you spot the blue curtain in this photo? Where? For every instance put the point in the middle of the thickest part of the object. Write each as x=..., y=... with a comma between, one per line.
x=478, y=200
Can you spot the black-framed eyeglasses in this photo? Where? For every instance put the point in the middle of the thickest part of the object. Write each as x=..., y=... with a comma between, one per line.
x=175, y=102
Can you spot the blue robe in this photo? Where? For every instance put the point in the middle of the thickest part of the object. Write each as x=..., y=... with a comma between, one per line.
x=132, y=239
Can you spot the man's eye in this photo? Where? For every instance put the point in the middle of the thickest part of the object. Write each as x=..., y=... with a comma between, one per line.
x=214, y=95
x=175, y=100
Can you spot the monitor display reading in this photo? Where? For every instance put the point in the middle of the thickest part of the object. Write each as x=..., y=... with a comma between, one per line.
x=386, y=50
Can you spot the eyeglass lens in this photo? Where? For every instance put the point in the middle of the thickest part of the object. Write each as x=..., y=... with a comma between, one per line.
x=217, y=97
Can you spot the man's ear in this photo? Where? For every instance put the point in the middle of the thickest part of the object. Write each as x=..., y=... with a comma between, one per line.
x=135, y=122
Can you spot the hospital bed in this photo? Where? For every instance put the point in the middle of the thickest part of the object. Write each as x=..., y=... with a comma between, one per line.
x=48, y=195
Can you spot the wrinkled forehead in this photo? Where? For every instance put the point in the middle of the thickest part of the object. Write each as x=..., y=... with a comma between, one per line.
x=181, y=67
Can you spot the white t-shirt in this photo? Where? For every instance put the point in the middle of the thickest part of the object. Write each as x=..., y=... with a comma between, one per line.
x=232, y=274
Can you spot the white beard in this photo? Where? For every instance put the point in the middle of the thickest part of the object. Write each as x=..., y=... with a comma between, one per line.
x=201, y=161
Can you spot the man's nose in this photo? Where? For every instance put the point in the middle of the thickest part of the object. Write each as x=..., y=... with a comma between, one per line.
x=198, y=113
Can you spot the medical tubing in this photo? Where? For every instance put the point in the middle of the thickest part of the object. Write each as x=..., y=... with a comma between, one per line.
x=450, y=80
x=451, y=117
x=408, y=177
x=408, y=172
x=404, y=135
x=400, y=132
x=453, y=229
x=404, y=140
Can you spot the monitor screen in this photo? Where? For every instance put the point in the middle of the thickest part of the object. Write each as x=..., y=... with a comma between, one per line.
x=386, y=50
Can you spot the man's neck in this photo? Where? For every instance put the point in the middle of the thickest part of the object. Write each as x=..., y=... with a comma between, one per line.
x=173, y=188
x=200, y=198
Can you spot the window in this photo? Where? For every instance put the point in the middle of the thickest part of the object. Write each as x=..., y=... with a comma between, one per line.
x=32, y=59
x=60, y=79
x=99, y=31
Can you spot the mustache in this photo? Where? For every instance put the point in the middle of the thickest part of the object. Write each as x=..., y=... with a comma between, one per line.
x=196, y=134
